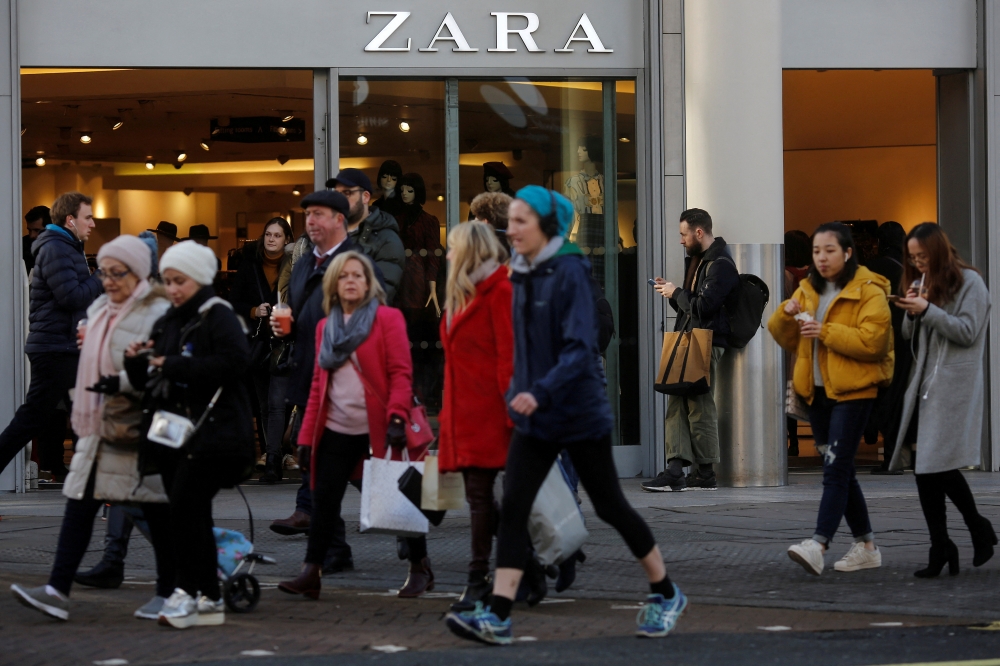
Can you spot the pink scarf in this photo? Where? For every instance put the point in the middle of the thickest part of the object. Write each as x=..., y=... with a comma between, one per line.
x=96, y=362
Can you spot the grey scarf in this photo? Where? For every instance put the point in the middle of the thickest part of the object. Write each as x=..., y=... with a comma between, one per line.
x=341, y=340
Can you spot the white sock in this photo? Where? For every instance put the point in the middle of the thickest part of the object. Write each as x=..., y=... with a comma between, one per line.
x=53, y=592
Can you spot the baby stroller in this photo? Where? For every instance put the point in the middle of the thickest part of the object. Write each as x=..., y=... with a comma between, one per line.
x=237, y=560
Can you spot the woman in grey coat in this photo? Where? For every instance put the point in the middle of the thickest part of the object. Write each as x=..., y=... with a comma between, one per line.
x=947, y=306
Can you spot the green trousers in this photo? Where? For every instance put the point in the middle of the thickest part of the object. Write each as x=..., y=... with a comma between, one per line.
x=691, y=430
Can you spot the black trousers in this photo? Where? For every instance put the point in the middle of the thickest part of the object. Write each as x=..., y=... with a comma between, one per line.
x=78, y=525
x=932, y=489
x=191, y=485
x=336, y=460
x=528, y=463
x=43, y=415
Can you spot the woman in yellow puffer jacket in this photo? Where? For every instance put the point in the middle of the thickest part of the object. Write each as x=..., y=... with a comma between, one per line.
x=839, y=325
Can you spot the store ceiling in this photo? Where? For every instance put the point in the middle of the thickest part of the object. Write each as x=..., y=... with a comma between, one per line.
x=162, y=112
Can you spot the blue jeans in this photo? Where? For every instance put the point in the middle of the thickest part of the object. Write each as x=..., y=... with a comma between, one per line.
x=838, y=427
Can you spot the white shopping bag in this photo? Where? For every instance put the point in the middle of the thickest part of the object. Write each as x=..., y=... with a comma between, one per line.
x=556, y=523
x=385, y=510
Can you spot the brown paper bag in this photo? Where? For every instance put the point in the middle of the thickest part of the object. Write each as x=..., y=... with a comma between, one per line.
x=685, y=363
x=440, y=492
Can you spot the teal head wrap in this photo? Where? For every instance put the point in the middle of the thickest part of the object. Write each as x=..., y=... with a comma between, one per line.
x=541, y=199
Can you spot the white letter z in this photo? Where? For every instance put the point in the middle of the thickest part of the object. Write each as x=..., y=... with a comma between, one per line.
x=387, y=31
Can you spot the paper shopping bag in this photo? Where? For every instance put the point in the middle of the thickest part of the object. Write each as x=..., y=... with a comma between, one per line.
x=440, y=492
x=384, y=509
x=685, y=363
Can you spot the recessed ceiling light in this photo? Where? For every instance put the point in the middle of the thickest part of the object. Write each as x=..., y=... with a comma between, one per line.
x=440, y=197
x=404, y=126
x=296, y=190
x=624, y=139
x=287, y=118
x=204, y=145
x=40, y=162
x=181, y=155
x=85, y=137
x=150, y=163
x=282, y=131
x=117, y=123
x=362, y=140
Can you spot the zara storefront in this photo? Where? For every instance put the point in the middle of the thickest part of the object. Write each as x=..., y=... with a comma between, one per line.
x=635, y=109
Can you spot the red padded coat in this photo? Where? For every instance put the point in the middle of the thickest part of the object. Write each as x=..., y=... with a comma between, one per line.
x=479, y=361
x=384, y=359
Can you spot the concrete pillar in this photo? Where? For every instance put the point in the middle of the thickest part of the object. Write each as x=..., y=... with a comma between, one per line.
x=734, y=170
x=11, y=267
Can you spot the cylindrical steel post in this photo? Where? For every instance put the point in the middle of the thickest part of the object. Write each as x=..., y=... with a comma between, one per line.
x=750, y=391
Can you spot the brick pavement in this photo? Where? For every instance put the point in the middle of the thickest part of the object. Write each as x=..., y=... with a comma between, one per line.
x=726, y=549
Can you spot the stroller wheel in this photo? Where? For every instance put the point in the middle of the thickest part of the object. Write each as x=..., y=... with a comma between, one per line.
x=242, y=592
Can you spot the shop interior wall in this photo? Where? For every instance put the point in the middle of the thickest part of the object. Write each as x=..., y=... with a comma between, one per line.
x=859, y=144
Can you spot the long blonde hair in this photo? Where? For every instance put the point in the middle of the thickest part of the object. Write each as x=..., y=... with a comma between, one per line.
x=332, y=277
x=472, y=244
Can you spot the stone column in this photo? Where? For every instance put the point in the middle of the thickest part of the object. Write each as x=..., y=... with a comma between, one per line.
x=733, y=116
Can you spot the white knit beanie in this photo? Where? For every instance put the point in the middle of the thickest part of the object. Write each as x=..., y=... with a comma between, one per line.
x=196, y=261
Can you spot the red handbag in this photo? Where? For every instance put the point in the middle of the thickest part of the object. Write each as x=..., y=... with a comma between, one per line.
x=419, y=434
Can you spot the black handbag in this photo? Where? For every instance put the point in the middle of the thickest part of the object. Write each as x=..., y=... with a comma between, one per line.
x=409, y=484
x=260, y=341
x=281, y=358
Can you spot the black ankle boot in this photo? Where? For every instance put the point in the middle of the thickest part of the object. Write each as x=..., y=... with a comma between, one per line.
x=273, y=471
x=940, y=555
x=479, y=588
x=106, y=575
x=983, y=540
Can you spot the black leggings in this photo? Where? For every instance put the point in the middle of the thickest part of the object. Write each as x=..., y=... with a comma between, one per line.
x=528, y=463
x=932, y=489
x=337, y=458
x=78, y=525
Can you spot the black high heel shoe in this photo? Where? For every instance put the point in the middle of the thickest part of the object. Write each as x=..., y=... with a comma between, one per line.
x=983, y=540
x=939, y=556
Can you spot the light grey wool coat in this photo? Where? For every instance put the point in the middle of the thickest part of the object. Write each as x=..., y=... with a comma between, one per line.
x=948, y=381
x=117, y=478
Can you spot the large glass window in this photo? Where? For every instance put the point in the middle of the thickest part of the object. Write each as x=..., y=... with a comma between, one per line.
x=468, y=136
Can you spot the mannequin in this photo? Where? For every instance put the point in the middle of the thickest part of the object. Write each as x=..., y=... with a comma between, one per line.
x=497, y=177
x=418, y=297
x=388, y=182
x=586, y=190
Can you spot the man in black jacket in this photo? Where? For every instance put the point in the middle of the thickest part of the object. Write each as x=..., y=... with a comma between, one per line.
x=36, y=219
x=62, y=289
x=326, y=226
x=711, y=281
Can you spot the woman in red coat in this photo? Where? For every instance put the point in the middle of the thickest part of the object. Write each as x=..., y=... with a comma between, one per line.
x=478, y=340
x=360, y=398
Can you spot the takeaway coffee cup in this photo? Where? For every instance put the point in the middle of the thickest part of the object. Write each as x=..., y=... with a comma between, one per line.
x=282, y=315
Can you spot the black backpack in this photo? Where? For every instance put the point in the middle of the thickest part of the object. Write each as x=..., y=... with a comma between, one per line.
x=745, y=309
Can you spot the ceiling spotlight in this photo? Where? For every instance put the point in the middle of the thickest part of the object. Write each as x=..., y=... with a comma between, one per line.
x=40, y=161
x=282, y=131
x=181, y=156
x=204, y=145
x=440, y=197
x=404, y=126
x=115, y=123
x=624, y=139
x=150, y=163
x=287, y=118
x=85, y=137
x=362, y=140
x=296, y=190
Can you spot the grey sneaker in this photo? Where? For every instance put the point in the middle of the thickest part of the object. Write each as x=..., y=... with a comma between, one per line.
x=211, y=613
x=41, y=600
x=151, y=610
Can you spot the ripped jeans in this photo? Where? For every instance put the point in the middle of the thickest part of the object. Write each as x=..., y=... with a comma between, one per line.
x=837, y=428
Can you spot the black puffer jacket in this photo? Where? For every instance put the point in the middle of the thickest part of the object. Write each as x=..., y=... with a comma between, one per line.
x=62, y=289
x=378, y=237
x=716, y=285
x=205, y=348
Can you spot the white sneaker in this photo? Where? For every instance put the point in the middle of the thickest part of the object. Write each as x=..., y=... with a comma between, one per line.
x=262, y=463
x=179, y=611
x=809, y=554
x=211, y=613
x=289, y=462
x=858, y=558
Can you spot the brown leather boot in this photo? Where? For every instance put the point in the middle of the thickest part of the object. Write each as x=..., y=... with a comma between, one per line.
x=297, y=523
x=307, y=584
x=420, y=580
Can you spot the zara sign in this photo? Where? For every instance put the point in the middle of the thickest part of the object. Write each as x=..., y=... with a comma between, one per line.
x=428, y=34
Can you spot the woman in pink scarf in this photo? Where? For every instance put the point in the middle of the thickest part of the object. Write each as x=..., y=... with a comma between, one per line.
x=105, y=466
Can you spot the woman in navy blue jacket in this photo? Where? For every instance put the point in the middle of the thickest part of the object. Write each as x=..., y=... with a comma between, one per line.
x=557, y=401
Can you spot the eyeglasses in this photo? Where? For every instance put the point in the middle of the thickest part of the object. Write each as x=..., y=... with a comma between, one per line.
x=114, y=276
x=915, y=259
x=351, y=192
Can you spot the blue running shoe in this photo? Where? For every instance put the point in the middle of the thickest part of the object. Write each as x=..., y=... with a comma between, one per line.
x=658, y=617
x=481, y=625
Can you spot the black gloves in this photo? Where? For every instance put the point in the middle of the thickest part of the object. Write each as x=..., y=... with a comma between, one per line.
x=305, y=456
x=396, y=435
x=109, y=385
